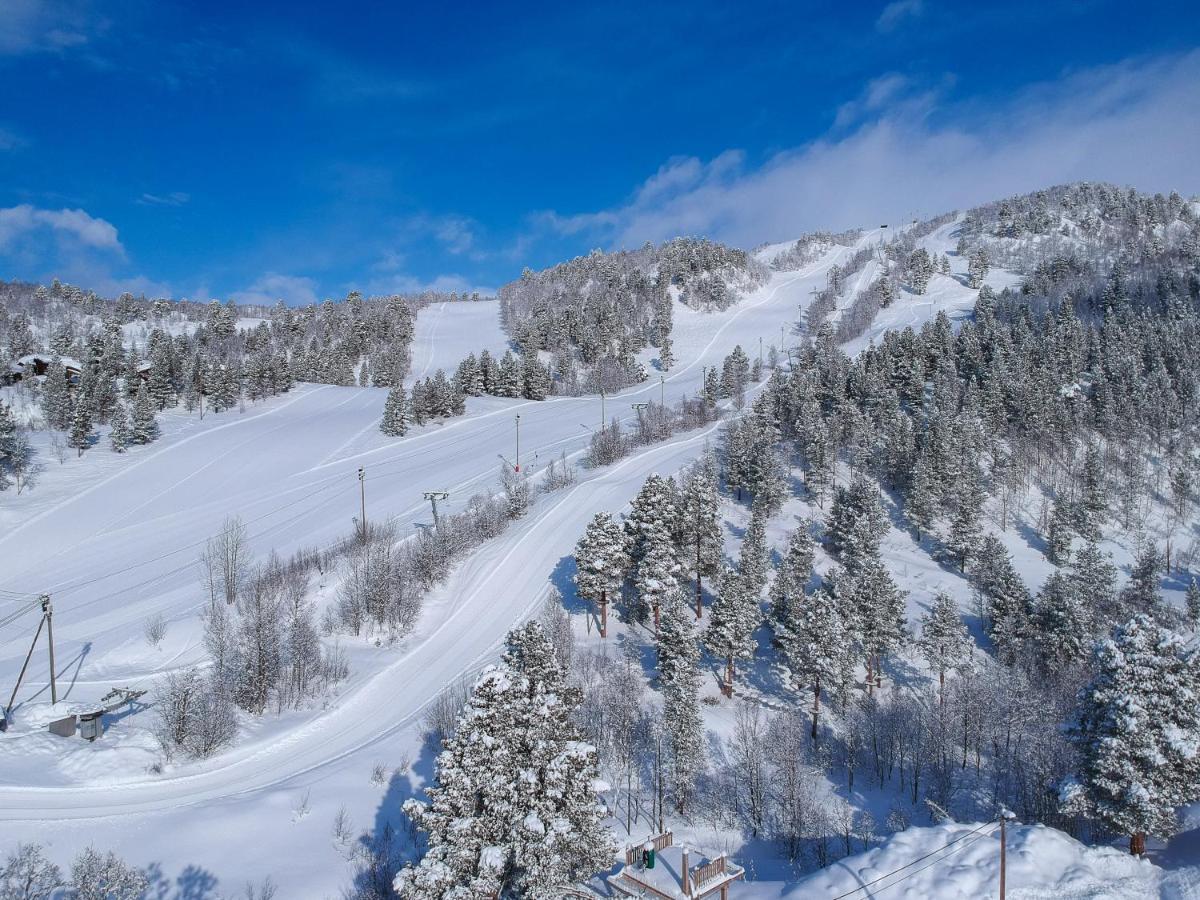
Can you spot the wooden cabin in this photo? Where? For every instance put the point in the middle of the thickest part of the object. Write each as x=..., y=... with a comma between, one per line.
x=34, y=365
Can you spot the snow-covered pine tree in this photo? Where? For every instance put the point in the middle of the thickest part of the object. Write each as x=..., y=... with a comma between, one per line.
x=792, y=574
x=469, y=377
x=600, y=564
x=1141, y=592
x=1062, y=627
x=81, y=427
x=535, y=377
x=754, y=557
x=652, y=513
x=658, y=574
x=679, y=680
x=699, y=525
x=1062, y=526
x=510, y=381
x=877, y=606
x=1095, y=578
x=514, y=808
x=1006, y=599
x=966, y=532
x=121, y=434
x=944, y=642
x=920, y=269
x=856, y=524
x=395, y=412
x=922, y=499
x=56, y=396
x=1137, y=733
x=143, y=425
x=815, y=641
x=733, y=618
x=1192, y=604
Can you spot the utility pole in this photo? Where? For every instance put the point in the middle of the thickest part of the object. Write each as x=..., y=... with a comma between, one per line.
x=517, y=466
x=47, y=612
x=760, y=356
x=362, y=493
x=433, y=497
x=603, y=421
x=1004, y=817
x=48, y=615
x=662, y=396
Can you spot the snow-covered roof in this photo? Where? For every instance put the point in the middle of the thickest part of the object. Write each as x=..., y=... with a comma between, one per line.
x=705, y=875
x=69, y=362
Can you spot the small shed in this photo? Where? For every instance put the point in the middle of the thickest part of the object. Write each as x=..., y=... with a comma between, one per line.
x=659, y=869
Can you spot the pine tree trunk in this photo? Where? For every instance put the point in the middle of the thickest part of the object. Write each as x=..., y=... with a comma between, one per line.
x=604, y=614
x=729, y=675
x=1137, y=843
x=816, y=706
x=656, y=617
x=870, y=677
x=699, y=592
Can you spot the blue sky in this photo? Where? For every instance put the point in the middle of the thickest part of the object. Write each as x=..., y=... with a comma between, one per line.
x=263, y=150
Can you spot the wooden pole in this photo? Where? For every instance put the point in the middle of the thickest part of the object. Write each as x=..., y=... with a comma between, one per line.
x=28, y=656
x=48, y=610
x=1003, y=851
x=604, y=614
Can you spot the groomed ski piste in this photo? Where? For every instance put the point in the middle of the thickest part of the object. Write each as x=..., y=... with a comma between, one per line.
x=115, y=539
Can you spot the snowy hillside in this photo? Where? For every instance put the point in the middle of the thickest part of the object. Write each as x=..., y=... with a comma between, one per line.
x=317, y=776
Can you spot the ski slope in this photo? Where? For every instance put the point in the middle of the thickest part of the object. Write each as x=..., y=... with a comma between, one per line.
x=115, y=540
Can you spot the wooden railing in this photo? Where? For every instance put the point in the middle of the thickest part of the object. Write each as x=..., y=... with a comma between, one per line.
x=708, y=871
x=634, y=854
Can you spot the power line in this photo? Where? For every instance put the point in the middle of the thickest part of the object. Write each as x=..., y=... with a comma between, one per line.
x=963, y=837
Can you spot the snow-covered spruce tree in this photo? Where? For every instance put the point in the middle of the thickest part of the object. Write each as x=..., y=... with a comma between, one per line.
x=735, y=372
x=944, y=642
x=816, y=647
x=120, y=435
x=977, y=267
x=754, y=557
x=1062, y=627
x=468, y=377
x=600, y=564
x=81, y=427
x=679, y=680
x=1062, y=527
x=1006, y=600
x=652, y=514
x=920, y=269
x=966, y=532
x=657, y=576
x=1141, y=591
x=1094, y=578
x=514, y=808
x=143, y=424
x=733, y=618
x=877, y=613
x=699, y=525
x=1138, y=733
x=395, y=412
x=516, y=491
x=1192, y=604
x=922, y=499
x=56, y=396
x=509, y=382
x=856, y=524
x=792, y=574
x=535, y=377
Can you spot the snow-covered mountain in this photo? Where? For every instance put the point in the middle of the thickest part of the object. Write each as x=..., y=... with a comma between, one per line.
x=1043, y=343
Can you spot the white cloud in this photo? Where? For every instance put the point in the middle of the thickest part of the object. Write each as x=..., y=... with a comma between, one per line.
x=18, y=222
x=47, y=26
x=294, y=290
x=1135, y=123
x=175, y=198
x=408, y=284
x=896, y=12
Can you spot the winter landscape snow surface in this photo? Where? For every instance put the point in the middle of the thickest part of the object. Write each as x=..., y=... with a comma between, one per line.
x=114, y=539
